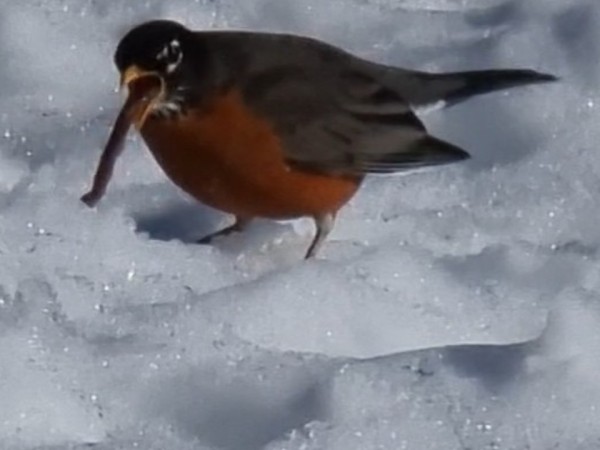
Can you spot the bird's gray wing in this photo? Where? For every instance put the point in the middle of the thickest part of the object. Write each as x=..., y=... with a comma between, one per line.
x=343, y=120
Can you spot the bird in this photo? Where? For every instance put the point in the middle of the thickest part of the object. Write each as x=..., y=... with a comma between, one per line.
x=278, y=126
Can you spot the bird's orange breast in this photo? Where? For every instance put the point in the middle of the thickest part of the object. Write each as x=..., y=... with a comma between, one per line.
x=228, y=158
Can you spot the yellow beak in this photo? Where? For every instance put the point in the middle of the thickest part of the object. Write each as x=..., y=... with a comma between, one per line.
x=130, y=75
x=133, y=73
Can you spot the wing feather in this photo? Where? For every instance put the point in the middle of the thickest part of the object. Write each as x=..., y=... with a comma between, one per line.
x=344, y=122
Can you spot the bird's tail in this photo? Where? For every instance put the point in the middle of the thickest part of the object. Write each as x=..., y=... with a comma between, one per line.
x=451, y=88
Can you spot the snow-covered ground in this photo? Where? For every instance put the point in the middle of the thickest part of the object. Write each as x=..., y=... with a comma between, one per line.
x=451, y=309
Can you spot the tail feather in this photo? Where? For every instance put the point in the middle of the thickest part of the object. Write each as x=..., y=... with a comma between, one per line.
x=453, y=88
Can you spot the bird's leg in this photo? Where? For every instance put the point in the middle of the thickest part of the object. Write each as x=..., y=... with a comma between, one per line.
x=324, y=224
x=239, y=225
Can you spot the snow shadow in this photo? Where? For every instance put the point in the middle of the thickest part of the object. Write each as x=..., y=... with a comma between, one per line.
x=495, y=366
x=239, y=413
x=178, y=220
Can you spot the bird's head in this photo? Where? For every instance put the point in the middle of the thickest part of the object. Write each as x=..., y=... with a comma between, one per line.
x=155, y=49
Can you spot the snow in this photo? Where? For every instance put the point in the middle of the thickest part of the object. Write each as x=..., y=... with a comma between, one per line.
x=456, y=308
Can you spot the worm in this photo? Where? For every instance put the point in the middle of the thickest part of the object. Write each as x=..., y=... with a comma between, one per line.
x=141, y=94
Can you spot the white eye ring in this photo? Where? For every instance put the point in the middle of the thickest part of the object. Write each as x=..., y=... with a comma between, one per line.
x=173, y=66
x=174, y=46
x=172, y=49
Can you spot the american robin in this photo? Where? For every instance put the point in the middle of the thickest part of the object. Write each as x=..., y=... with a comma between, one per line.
x=275, y=125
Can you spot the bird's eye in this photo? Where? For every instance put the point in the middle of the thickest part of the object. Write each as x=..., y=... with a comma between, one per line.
x=170, y=55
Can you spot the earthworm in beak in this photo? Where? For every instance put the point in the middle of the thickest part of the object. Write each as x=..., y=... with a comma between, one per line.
x=142, y=92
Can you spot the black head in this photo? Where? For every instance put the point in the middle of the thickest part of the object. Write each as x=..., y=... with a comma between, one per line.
x=156, y=47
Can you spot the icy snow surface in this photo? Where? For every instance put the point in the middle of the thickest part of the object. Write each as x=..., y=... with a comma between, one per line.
x=452, y=309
